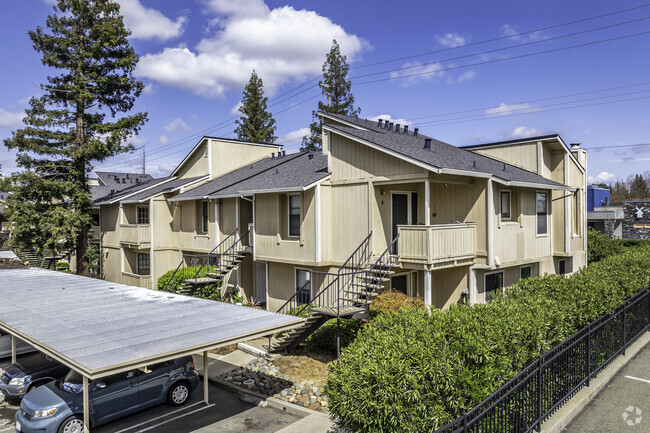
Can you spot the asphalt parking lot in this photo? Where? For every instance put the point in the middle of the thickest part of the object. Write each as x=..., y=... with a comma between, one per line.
x=226, y=413
x=623, y=405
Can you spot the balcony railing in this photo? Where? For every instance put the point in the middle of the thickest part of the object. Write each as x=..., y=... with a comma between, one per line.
x=135, y=234
x=438, y=245
x=136, y=280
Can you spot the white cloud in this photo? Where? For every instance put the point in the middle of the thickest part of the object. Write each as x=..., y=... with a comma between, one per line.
x=10, y=120
x=149, y=23
x=603, y=177
x=164, y=139
x=416, y=72
x=149, y=89
x=504, y=109
x=452, y=40
x=508, y=30
x=235, y=110
x=282, y=44
x=137, y=141
x=176, y=125
x=389, y=118
x=294, y=135
x=466, y=76
x=523, y=132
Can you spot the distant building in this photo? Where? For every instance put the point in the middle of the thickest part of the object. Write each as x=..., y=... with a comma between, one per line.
x=636, y=219
x=601, y=216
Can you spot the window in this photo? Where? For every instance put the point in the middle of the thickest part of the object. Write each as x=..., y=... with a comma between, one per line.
x=294, y=215
x=577, y=210
x=143, y=264
x=303, y=286
x=492, y=283
x=542, y=211
x=204, y=217
x=525, y=272
x=143, y=215
x=505, y=206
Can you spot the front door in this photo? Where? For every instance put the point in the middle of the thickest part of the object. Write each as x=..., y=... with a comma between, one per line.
x=400, y=213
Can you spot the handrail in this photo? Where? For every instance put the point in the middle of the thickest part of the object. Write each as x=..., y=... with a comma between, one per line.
x=219, y=255
x=363, y=242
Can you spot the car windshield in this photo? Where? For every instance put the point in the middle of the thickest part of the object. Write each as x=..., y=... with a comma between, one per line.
x=73, y=382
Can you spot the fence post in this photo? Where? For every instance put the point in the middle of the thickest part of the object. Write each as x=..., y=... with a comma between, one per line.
x=464, y=421
x=624, y=326
x=588, y=366
x=539, y=392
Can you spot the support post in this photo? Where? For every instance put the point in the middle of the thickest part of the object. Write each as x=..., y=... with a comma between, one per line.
x=86, y=405
x=624, y=326
x=13, y=349
x=427, y=288
x=490, y=223
x=427, y=203
x=206, y=382
x=588, y=366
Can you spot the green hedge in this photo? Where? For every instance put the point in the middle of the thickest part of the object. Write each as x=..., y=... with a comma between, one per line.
x=183, y=274
x=324, y=338
x=414, y=371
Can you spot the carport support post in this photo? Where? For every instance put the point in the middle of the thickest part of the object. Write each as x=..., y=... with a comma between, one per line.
x=86, y=405
x=206, y=391
x=13, y=349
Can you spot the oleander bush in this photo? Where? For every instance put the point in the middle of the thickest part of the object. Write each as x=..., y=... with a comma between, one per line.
x=600, y=246
x=414, y=371
x=176, y=279
x=324, y=338
x=393, y=300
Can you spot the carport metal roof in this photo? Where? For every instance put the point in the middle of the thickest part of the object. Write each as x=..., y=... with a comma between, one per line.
x=100, y=328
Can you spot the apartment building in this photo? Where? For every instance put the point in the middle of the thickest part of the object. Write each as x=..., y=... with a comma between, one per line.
x=380, y=207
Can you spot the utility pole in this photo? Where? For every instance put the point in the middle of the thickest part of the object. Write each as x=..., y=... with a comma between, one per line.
x=144, y=171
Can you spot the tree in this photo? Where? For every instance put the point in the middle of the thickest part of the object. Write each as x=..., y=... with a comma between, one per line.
x=256, y=123
x=72, y=124
x=618, y=193
x=337, y=89
x=639, y=188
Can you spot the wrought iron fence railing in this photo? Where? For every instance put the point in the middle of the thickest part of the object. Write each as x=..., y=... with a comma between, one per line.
x=523, y=403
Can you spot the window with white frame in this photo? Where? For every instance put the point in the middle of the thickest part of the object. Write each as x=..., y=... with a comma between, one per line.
x=294, y=215
x=525, y=272
x=493, y=282
x=143, y=263
x=506, y=213
x=204, y=216
x=143, y=214
x=541, y=207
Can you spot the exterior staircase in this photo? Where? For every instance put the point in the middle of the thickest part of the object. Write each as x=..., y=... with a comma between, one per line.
x=348, y=292
x=199, y=271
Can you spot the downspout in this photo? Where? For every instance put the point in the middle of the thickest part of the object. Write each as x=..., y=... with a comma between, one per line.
x=151, y=249
x=317, y=223
x=490, y=223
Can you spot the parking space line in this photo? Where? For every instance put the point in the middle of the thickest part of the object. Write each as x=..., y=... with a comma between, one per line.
x=636, y=378
x=156, y=418
x=175, y=418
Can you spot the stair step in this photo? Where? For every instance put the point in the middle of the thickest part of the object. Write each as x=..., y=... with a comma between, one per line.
x=368, y=285
x=366, y=294
x=358, y=301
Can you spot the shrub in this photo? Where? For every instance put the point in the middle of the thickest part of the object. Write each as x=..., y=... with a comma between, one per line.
x=391, y=301
x=63, y=266
x=300, y=311
x=600, y=246
x=412, y=370
x=324, y=338
x=176, y=279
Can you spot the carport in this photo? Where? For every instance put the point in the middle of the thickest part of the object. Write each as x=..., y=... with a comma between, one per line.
x=99, y=328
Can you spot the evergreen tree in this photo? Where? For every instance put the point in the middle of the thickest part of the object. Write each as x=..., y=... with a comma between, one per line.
x=639, y=188
x=337, y=89
x=74, y=123
x=618, y=193
x=256, y=123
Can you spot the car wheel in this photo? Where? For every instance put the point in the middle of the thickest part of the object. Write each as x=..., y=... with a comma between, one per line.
x=73, y=424
x=178, y=394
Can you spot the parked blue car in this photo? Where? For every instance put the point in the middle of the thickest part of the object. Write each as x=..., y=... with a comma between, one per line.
x=58, y=406
x=30, y=372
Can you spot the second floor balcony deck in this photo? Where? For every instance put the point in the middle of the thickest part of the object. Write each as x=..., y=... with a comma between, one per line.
x=439, y=246
x=138, y=235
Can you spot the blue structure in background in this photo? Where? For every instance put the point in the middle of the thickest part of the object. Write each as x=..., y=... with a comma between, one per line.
x=597, y=197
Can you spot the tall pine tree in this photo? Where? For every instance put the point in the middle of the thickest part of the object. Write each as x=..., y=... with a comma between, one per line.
x=639, y=188
x=337, y=90
x=256, y=124
x=75, y=122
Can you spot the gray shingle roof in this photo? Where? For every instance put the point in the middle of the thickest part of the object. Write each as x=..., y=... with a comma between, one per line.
x=161, y=188
x=297, y=170
x=130, y=190
x=440, y=156
x=119, y=181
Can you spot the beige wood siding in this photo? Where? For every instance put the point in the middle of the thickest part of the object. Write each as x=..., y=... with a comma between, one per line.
x=229, y=156
x=349, y=219
x=353, y=160
x=271, y=239
x=196, y=164
x=522, y=155
x=110, y=222
x=447, y=285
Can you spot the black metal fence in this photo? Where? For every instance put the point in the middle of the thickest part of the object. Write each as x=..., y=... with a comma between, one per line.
x=531, y=397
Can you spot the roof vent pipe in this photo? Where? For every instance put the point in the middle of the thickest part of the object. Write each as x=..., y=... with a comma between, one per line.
x=504, y=166
x=272, y=155
x=397, y=128
x=406, y=129
x=284, y=153
x=415, y=132
x=379, y=122
x=311, y=156
x=390, y=126
x=427, y=143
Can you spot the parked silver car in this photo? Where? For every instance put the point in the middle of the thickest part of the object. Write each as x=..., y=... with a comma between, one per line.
x=5, y=346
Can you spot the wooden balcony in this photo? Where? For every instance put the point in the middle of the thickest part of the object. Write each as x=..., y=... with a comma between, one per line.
x=136, y=280
x=135, y=235
x=438, y=246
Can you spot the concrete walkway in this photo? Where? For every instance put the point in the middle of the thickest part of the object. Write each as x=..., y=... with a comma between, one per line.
x=310, y=421
x=623, y=405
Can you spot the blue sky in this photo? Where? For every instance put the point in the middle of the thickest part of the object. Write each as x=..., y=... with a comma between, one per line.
x=197, y=55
